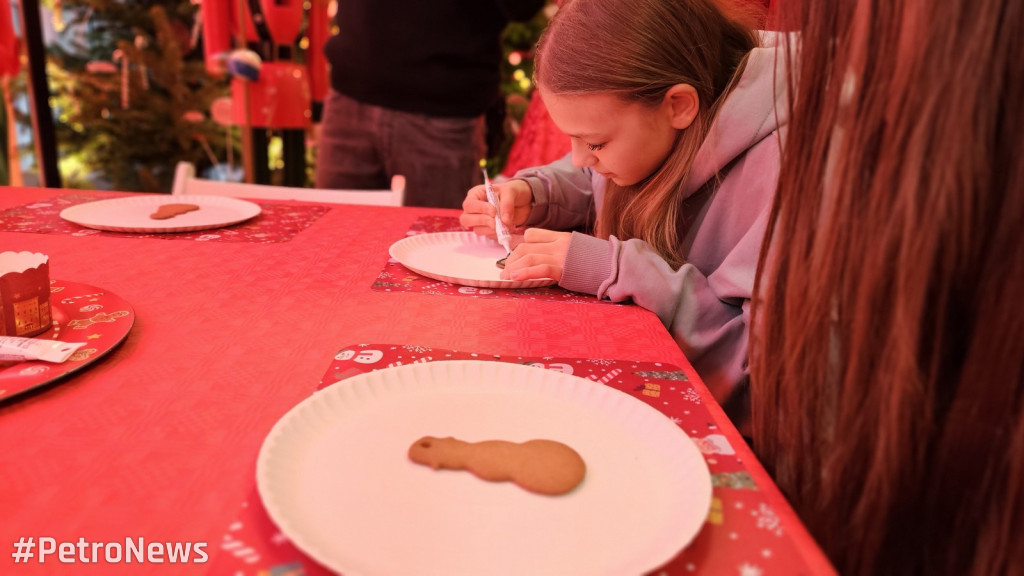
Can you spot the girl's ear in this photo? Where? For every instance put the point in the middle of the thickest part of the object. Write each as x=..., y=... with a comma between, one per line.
x=682, y=104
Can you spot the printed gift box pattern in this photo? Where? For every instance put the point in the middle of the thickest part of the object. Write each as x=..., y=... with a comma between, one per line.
x=24, y=294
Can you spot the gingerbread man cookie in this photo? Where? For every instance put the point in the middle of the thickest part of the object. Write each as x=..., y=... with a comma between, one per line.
x=165, y=211
x=540, y=466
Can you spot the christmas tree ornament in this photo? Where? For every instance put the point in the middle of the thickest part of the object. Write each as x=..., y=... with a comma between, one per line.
x=197, y=26
x=100, y=67
x=120, y=56
x=140, y=44
x=222, y=110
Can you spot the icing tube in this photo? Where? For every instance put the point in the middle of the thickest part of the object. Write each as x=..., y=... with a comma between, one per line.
x=14, y=348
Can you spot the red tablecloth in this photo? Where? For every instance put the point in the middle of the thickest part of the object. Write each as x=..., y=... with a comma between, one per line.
x=157, y=440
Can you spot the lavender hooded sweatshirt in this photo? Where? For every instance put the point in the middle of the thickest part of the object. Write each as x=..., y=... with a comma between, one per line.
x=705, y=304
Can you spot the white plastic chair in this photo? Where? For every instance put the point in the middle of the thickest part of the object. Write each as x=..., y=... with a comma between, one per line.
x=186, y=182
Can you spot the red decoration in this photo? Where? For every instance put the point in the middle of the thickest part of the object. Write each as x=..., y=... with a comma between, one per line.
x=9, y=59
x=9, y=62
x=538, y=142
x=283, y=19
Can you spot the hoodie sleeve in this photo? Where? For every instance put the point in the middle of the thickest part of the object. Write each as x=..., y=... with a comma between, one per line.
x=707, y=315
x=563, y=195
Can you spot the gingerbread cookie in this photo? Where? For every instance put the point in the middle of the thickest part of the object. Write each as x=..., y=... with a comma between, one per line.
x=540, y=466
x=166, y=211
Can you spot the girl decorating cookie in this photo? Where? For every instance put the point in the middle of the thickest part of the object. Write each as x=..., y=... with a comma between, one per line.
x=671, y=111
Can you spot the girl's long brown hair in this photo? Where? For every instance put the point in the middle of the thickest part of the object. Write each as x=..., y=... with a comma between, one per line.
x=638, y=49
x=888, y=349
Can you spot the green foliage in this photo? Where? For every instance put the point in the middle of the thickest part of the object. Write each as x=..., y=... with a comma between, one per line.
x=101, y=142
x=518, y=41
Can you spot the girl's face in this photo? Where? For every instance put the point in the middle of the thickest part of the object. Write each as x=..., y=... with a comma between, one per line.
x=623, y=141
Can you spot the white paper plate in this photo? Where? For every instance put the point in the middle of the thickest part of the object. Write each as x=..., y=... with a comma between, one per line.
x=335, y=476
x=132, y=214
x=463, y=258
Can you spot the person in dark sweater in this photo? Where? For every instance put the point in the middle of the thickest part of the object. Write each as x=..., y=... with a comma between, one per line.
x=410, y=83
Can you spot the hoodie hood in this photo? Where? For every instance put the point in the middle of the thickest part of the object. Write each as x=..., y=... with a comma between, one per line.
x=756, y=107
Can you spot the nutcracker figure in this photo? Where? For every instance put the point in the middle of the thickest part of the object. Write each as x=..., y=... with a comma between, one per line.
x=278, y=78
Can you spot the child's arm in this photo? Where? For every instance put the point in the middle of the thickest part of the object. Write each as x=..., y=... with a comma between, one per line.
x=563, y=195
x=557, y=196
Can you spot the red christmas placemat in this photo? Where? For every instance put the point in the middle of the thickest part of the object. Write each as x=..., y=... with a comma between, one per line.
x=275, y=223
x=397, y=278
x=742, y=535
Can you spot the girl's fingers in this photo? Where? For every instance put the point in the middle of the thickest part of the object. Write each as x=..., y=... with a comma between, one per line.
x=540, y=235
x=527, y=265
x=477, y=214
x=536, y=272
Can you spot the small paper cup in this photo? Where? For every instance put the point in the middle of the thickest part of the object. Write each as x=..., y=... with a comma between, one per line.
x=24, y=294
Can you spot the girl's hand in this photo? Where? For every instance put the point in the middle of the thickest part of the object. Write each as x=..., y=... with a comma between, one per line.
x=541, y=254
x=515, y=198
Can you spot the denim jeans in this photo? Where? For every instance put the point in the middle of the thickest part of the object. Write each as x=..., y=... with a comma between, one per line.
x=362, y=146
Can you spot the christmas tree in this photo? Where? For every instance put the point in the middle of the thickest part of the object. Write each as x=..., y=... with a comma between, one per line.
x=130, y=94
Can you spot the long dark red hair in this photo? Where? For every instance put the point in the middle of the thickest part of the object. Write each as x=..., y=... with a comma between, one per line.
x=887, y=355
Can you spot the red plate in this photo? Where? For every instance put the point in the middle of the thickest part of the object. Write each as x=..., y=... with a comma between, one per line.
x=81, y=313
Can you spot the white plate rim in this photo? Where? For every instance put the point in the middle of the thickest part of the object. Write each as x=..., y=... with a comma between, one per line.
x=91, y=214
x=402, y=249
x=278, y=448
